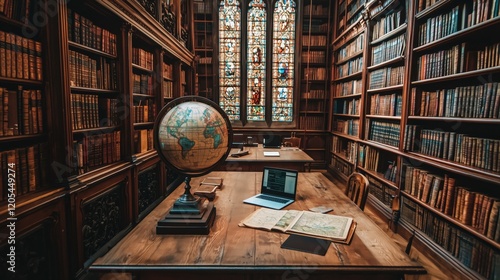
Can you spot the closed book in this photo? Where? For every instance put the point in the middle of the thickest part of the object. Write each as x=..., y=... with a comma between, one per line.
x=493, y=219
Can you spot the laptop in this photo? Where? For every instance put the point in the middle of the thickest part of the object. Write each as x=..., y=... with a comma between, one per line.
x=271, y=141
x=278, y=188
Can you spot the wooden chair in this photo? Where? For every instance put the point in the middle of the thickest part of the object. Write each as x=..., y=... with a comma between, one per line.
x=357, y=189
x=291, y=142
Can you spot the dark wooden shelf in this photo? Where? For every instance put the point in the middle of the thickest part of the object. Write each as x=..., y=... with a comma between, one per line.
x=348, y=77
x=464, y=75
x=94, y=91
x=380, y=177
x=355, y=55
x=384, y=89
x=386, y=63
x=347, y=136
x=352, y=96
x=100, y=130
x=346, y=115
x=17, y=81
x=90, y=50
x=449, y=119
x=398, y=118
x=453, y=221
x=400, y=29
x=143, y=69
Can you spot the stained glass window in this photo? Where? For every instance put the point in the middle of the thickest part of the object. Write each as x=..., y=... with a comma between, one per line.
x=229, y=58
x=277, y=104
x=283, y=60
x=256, y=63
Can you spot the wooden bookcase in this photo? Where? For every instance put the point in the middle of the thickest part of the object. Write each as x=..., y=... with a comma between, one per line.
x=204, y=26
x=428, y=109
x=80, y=92
x=313, y=105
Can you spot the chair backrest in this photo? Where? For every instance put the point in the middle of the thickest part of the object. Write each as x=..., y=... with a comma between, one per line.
x=357, y=189
x=291, y=142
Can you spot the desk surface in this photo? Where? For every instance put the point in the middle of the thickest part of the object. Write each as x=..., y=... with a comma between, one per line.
x=286, y=154
x=238, y=250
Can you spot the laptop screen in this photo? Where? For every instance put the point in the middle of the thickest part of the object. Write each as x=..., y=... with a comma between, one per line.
x=272, y=141
x=280, y=182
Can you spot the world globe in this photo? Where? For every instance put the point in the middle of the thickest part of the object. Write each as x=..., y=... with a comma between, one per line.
x=192, y=135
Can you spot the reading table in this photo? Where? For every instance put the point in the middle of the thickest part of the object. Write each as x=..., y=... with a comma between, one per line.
x=233, y=252
x=292, y=158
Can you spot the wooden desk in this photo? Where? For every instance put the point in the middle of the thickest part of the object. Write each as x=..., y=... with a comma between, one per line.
x=292, y=158
x=233, y=252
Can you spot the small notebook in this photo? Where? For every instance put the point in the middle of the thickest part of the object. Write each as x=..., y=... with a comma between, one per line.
x=271, y=154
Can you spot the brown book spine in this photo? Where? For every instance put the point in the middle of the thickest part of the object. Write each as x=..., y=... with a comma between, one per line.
x=493, y=219
x=3, y=54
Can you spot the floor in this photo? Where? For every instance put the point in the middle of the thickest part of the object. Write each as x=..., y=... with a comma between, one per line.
x=434, y=270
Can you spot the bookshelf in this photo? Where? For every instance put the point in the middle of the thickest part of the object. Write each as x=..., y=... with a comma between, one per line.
x=428, y=95
x=204, y=49
x=77, y=90
x=313, y=106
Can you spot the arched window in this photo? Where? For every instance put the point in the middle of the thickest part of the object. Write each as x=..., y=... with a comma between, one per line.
x=244, y=93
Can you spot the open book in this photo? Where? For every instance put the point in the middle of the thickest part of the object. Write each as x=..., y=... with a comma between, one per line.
x=324, y=226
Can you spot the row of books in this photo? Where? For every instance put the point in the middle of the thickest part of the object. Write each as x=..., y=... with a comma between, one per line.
x=424, y=4
x=315, y=41
x=353, y=6
x=19, y=10
x=97, y=150
x=312, y=122
x=143, y=140
x=144, y=111
x=349, y=107
x=21, y=112
x=168, y=89
x=314, y=94
x=89, y=72
x=388, y=23
x=381, y=191
x=440, y=26
x=312, y=106
x=391, y=171
x=341, y=166
x=142, y=84
x=350, y=67
x=20, y=57
x=386, y=77
x=384, y=132
x=482, y=10
x=142, y=58
x=348, y=149
x=168, y=70
x=470, y=251
x=386, y=104
x=205, y=60
x=348, y=88
x=316, y=10
x=353, y=48
x=368, y=157
x=315, y=73
x=83, y=31
x=472, y=151
x=349, y=127
x=486, y=58
x=27, y=164
x=481, y=101
x=316, y=25
x=313, y=57
x=389, y=49
x=90, y=111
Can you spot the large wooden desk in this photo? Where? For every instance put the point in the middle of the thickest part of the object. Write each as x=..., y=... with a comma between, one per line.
x=292, y=158
x=233, y=252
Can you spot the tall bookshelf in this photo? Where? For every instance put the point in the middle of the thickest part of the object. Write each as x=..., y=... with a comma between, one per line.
x=428, y=105
x=204, y=25
x=80, y=91
x=313, y=105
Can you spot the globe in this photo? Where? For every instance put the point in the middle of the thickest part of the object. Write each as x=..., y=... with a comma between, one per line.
x=192, y=135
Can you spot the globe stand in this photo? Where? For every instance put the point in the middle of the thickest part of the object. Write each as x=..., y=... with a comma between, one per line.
x=188, y=215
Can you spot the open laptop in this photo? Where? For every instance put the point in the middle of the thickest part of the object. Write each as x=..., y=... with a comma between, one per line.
x=278, y=188
x=271, y=141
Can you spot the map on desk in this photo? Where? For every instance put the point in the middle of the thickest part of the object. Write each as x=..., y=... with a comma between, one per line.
x=271, y=154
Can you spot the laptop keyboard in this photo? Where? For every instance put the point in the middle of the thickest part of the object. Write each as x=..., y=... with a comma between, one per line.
x=272, y=198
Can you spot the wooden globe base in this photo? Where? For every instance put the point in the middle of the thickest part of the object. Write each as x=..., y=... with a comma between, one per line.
x=188, y=215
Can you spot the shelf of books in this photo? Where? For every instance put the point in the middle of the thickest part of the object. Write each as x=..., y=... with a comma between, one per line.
x=346, y=98
x=143, y=96
x=168, y=79
x=451, y=163
x=348, y=13
x=23, y=127
x=313, y=60
x=203, y=47
x=93, y=80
